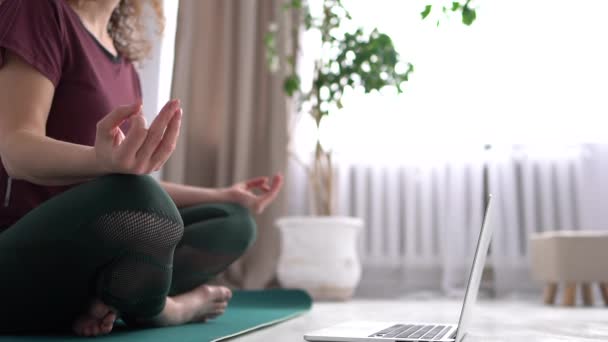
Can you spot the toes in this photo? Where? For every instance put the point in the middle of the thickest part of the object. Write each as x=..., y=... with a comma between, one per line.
x=80, y=326
x=223, y=294
x=98, y=309
x=218, y=310
x=106, y=329
x=206, y=290
x=108, y=323
x=217, y=293
x=228, y=293
x=109, y=319
x=88, y=330
x=220, y=306
x=215, y=314
x=95, y=330
x=91, y=326
x=201, y=319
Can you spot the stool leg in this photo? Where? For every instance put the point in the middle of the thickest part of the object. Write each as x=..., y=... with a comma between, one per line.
x=587, y=294
x=570, y=294
x=550, y=292
x=604, y=291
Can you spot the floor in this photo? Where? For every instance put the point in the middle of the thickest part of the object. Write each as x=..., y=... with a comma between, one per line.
x=493, y=320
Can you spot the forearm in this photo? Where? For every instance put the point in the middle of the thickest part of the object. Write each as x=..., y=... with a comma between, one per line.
x=186, y=195
x=46, y=161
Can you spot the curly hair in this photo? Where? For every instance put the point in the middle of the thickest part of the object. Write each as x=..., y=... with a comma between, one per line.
x=128, y=30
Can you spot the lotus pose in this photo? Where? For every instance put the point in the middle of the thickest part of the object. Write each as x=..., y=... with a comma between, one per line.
x=86, y=235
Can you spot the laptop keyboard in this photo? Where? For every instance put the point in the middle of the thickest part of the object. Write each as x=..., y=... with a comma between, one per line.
x=414, y=332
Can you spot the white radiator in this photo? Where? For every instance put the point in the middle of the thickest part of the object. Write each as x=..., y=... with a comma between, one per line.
x=426, y=215
x=534, y=194
x=429, y=215
x=411, y=211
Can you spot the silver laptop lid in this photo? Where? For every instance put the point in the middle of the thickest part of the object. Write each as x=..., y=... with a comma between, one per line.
x=479, y=261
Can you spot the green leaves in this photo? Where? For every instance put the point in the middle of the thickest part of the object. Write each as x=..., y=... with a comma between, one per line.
x=291, y=84
x=468, y=14
x=295, y=4
x=363, y=60
x=357, y=58
x=427, y=11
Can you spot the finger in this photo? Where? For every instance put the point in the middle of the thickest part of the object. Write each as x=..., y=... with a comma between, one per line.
x=119, y=136
x=135, y=136
x=256, y=182
x=168, y=143
x=277, y=180
x=263, y=186
x=157, y=129
x=117, y=117
x=277, y=183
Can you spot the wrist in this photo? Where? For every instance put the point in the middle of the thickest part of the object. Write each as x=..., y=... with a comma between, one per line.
x=225, y=195
x=99, y=167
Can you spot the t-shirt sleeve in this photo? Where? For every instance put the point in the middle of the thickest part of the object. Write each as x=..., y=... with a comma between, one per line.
x=34, y=30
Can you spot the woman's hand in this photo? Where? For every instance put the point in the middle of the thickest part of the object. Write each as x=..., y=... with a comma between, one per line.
x=244, y=193
x=142, y=150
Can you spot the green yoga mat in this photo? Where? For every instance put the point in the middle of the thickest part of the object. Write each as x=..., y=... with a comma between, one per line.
x=247, y=311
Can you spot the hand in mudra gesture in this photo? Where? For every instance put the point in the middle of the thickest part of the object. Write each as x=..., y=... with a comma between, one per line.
x=142, y=150
x=257, y=193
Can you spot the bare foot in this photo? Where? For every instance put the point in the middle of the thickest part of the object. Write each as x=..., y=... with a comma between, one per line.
x=202, y=303
x=98, y=320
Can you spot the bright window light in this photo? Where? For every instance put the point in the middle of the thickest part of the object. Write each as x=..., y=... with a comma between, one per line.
x=525, y=73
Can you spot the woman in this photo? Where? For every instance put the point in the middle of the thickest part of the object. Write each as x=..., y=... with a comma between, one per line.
x=86, y=235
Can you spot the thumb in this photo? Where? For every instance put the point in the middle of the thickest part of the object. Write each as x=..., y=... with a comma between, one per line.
x=118, y=115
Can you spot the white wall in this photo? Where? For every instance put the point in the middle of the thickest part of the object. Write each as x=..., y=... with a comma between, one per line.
x=156, y=73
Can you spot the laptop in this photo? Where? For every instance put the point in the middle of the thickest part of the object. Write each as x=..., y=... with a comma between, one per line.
x=411, y=331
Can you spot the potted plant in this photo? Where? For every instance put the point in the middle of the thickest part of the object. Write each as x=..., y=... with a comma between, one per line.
x=319, y=252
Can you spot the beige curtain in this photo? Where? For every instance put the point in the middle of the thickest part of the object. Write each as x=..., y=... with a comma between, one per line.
x=235, y=114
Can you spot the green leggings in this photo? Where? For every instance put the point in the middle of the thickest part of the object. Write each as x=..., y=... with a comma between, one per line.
x=119, y=238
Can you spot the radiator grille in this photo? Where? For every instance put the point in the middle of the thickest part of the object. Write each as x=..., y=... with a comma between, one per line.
x=423, y=215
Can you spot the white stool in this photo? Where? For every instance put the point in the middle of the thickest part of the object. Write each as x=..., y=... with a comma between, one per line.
x=571, y=258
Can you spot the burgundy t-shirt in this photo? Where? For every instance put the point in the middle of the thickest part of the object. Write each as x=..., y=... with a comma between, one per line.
x=89, y=83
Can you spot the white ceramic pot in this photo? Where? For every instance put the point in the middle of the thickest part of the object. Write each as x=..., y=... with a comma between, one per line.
x=319, y=255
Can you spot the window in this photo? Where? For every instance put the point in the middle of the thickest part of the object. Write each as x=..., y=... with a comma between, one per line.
x=526, y=72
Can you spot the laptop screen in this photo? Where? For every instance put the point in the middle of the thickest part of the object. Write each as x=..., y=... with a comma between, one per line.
x=470, y=297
